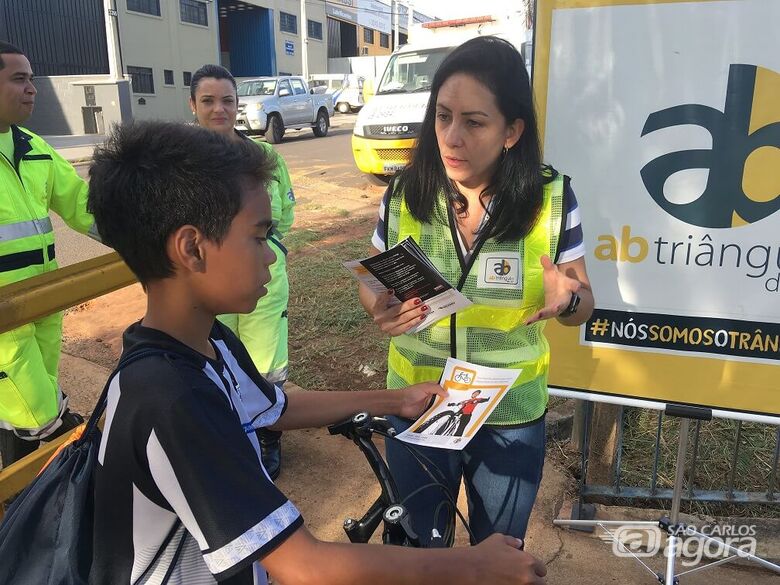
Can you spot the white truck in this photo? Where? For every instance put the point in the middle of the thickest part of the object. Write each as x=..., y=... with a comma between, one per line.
x=273, y=105
x=346, y=89
x=386, y=128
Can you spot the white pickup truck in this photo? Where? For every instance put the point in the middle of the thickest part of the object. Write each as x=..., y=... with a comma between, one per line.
x=272, y=105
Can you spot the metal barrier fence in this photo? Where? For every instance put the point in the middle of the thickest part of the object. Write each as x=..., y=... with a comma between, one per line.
x=31, y=299
x=619, y=489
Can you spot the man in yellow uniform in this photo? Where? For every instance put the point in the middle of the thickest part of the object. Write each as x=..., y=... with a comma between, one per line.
x=33, y=180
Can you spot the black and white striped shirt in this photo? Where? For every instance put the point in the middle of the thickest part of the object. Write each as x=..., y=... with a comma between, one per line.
x=179, y=442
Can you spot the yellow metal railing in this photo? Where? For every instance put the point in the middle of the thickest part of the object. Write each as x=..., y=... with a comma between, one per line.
x=31, y=299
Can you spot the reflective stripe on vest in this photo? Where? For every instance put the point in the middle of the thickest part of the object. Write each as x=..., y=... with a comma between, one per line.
x=491, y=331
x=25, y=229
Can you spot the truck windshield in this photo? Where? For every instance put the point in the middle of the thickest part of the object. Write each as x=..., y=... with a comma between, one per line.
x=261, y=87
x=409, y=72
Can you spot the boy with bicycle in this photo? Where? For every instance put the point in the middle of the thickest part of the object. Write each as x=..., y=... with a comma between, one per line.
x=181, y=494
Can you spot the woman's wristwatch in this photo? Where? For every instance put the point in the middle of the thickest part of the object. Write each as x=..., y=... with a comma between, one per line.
x=572, y=308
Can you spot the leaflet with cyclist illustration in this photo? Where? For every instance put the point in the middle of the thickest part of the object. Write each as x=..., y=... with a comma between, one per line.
x=407, y=270
x=473, y=392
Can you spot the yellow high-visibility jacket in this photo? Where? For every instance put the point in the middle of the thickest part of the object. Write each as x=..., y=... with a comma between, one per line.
x=36, y=181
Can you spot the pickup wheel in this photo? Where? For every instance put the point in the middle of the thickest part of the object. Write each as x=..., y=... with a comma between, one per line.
x=321, y=125
x=343, y=107
x=275, y=130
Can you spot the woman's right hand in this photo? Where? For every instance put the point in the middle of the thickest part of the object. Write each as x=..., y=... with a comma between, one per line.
x=397, y=319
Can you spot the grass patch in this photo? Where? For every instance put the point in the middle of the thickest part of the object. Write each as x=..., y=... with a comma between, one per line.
x=334, y=344
x=297, y=240
x=751, y=470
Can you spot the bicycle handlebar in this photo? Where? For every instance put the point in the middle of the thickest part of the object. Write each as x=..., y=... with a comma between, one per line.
x=389, y=506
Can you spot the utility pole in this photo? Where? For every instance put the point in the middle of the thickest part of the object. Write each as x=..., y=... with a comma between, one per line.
x=115, y=68
x=394, y=6
x=304, y=43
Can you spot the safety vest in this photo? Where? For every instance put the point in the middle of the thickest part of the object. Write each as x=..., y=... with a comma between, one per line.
x=38, y=179
x=504, y=281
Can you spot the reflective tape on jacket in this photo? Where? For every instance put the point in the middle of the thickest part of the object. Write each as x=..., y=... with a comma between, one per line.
x=25, y=229
x=32, y=184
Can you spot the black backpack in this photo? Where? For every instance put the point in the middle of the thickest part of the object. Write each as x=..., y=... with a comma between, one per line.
x=46, y=534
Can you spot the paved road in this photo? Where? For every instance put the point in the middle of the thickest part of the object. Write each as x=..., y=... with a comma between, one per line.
x=328, y=158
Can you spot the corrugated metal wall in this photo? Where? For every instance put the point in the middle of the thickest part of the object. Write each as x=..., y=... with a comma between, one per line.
x=334, y=38
x=252, y=42
x=60, y=37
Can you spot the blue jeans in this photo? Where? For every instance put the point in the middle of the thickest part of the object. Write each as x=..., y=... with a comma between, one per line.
x=502, y=470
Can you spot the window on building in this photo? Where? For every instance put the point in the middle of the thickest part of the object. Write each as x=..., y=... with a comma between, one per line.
x=193, y=11
x=187, y=76
x=384, y=40
x=168, y=75
x=145, y=6
x=143, y=79
x=368, y=35
x=315, y=30
x=288, y=23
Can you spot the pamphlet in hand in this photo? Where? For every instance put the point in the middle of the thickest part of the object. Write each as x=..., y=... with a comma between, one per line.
x=406, y=270
x=473, y=392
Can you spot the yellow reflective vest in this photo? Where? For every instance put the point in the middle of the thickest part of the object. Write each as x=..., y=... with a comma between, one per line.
x=504, y=281
x=37, y=180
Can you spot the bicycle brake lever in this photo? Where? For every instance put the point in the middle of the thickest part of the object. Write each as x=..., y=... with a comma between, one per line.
x=349, y=427
x=381, y=425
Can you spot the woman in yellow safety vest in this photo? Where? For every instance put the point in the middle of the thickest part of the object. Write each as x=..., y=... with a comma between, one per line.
x=214, y=102
x=478, y=200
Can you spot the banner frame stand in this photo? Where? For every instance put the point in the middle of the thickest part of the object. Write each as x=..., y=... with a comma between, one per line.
x=671, y=525
x=590, y=396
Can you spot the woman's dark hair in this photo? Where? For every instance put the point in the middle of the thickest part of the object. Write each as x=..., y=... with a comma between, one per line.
x=516, y=187
x=213, y=71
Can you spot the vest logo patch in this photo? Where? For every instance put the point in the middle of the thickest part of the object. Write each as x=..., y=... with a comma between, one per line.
x=499, y=271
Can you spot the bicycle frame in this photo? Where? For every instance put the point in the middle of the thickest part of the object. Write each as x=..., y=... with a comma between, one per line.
x=388, y=507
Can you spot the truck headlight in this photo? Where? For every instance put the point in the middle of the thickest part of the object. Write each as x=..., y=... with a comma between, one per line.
x=359, y=130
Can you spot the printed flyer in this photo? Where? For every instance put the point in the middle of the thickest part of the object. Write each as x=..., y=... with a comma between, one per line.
x=473, y=392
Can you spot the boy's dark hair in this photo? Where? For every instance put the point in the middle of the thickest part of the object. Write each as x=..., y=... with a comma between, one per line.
x=213, y=71
x=8, y=49
x=517, y=185
x=151, y=178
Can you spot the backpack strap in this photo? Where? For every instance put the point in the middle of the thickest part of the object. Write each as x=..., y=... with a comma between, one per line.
x=161, y=550
x=100, y=406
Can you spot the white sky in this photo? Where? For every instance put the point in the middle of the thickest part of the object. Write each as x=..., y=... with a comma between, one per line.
x=445, y=9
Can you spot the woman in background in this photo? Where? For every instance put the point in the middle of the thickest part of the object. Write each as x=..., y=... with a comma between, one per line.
x=214, y=103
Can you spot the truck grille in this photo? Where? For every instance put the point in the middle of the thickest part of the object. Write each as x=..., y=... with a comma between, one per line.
x=399, y=154
x=393, y=131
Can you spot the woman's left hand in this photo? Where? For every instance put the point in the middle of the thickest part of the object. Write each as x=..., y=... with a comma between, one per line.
x=415, y=399
x=558, y=289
